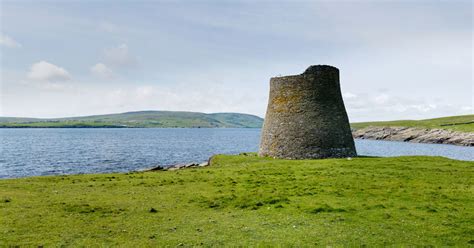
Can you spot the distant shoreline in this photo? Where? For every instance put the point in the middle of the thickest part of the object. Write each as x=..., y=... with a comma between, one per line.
x=140, y=119
x=112, y=127
x=453, y=130
x=416, y=135
x=23, y=127
x=403, y=134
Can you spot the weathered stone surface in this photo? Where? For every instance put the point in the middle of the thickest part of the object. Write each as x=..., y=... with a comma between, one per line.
x=181, y=166
x=156, y=168
x=418, y=135
x=203, y=164
x=306, y=117
x=178, y=166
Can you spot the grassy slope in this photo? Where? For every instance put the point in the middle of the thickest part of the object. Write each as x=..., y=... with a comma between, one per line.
x=142, y=119
x=246, y=200
x=463, y=123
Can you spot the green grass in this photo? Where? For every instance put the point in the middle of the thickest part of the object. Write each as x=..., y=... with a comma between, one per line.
x=462, y=123
x=160, y=119
x=248, y=201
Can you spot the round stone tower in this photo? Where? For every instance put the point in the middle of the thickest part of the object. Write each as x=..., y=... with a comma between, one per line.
x=306, y=117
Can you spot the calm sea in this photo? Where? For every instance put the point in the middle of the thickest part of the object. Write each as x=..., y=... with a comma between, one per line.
x=34, y=152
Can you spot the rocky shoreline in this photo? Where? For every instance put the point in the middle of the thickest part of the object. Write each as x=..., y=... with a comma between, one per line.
x=416, y=135
x=179, y=166
x=404, y=134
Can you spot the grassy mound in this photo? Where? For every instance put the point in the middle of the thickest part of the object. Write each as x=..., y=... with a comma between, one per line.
x=246, y=200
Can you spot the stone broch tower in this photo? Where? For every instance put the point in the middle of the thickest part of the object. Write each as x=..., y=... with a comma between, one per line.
x=306, y=117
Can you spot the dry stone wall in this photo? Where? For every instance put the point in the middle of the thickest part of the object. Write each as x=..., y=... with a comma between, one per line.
x=306, y=117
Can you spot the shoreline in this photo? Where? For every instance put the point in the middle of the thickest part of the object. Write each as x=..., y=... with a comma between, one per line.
x=416, y=135
x=208, y=163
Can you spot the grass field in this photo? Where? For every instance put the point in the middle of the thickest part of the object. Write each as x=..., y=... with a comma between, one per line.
x=462, y=123
x=248, y=201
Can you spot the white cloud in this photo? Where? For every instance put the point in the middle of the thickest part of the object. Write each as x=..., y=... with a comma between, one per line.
x=44, y=71
x=102, y=71
x=8, y=41
x=119, y=56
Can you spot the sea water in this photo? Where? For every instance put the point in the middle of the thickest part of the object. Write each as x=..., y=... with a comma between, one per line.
x=55, y=151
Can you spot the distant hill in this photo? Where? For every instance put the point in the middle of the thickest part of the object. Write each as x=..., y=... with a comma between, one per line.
x=169, y=119
x=161, y=119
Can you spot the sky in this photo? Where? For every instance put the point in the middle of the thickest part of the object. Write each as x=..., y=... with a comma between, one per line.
x=397, y=59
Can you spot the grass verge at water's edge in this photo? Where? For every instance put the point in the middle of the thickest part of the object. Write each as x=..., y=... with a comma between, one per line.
x=461, y=123
x=248, y=201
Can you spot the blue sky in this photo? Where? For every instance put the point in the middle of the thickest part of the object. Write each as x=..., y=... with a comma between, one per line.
x=398, y=59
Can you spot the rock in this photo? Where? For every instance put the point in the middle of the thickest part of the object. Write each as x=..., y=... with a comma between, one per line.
x=188, y=165
x=182, y=166
x=417, y=135
x=203, y=164
x=178, y=166
x=155, y=168
x=209, y=161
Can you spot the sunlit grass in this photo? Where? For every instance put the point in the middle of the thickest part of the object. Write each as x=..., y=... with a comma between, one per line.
x=247, y=200
x=463, y=123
